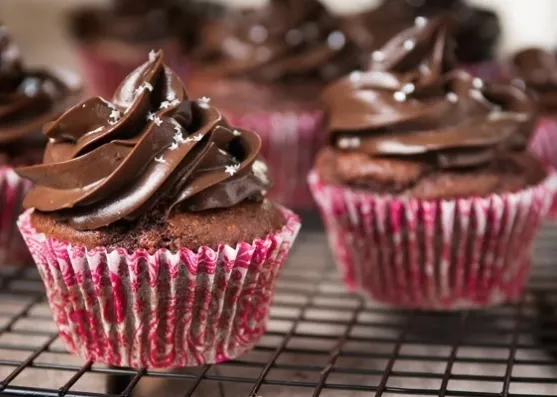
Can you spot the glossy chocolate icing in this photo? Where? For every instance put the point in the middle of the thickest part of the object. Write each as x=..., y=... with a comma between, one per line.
x=152, y=146
x=537, y=69
x=476, y=30
x=413, y=110
x=284, y=41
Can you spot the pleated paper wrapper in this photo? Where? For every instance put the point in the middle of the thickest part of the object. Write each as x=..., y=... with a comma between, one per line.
x=544, y=146
x=433, y=255
x=13, y=189
x=290, y=141
x=164, y=310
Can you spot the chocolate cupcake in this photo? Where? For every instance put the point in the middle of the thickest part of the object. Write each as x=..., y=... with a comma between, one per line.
x=536, y=69
x=111, y=41
x=265, y=69
x=475, y=30
x=150, y=228
x=28, y=99
x=430, y=197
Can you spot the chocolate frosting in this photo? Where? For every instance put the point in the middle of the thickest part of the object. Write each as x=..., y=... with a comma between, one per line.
x=286, y=40
x=475, y=30
x=28, y=98
x=537, y=69
x=413, y=106
x=150, y=147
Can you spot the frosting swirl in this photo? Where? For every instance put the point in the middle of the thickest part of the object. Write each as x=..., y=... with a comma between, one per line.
x=28, y=98
x=412, y=106
x=150, y=147
x=537, y=69
x=287, y=39
x=475, y=30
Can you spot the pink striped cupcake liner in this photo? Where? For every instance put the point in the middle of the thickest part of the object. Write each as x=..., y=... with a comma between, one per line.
x=434, y=255
x=13, y=250
x=544, y=146
x=164, y=310
x=290, y=142
x=103, y=74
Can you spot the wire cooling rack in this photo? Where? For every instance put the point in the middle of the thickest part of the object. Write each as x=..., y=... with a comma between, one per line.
x=320, y=342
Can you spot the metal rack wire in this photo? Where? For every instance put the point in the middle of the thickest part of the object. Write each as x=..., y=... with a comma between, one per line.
x=321, y=342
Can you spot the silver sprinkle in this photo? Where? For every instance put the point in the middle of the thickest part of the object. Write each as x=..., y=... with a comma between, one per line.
x=477, y=83
x=452, y=97
x=408, y=88
x=355, y=76
x=420, y=22
x=409, y=45
x=399, y=96
x=336, y=40
x=424, y=68
x=31, y=86
x=232, y=169
x=258, y=34
x=157, y=120
x=378, y=56
x=349, y=143
x=204, y=102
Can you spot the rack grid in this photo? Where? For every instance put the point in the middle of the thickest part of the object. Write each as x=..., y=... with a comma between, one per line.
x=321, y=341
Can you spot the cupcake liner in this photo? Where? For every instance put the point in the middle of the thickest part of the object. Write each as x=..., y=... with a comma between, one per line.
x=13, y=250
x=544, y=146
x=290, y=142
x=104, y=73
x=440, y=255
x=163, y=310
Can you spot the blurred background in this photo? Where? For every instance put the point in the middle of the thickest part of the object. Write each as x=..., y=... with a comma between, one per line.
x=38, y=25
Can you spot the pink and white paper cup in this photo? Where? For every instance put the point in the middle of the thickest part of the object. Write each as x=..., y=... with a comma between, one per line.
x=290, y=142
x=433, y=255
x=544, y=146
x=164, y=310
x=13, y=189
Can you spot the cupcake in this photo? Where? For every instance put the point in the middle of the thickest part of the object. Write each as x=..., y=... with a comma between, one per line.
x=429, y=196
x=111, y=41
x=536, y=69
x=28, y=99
x=149, y=226
x=265, y=68
x=475, y=30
